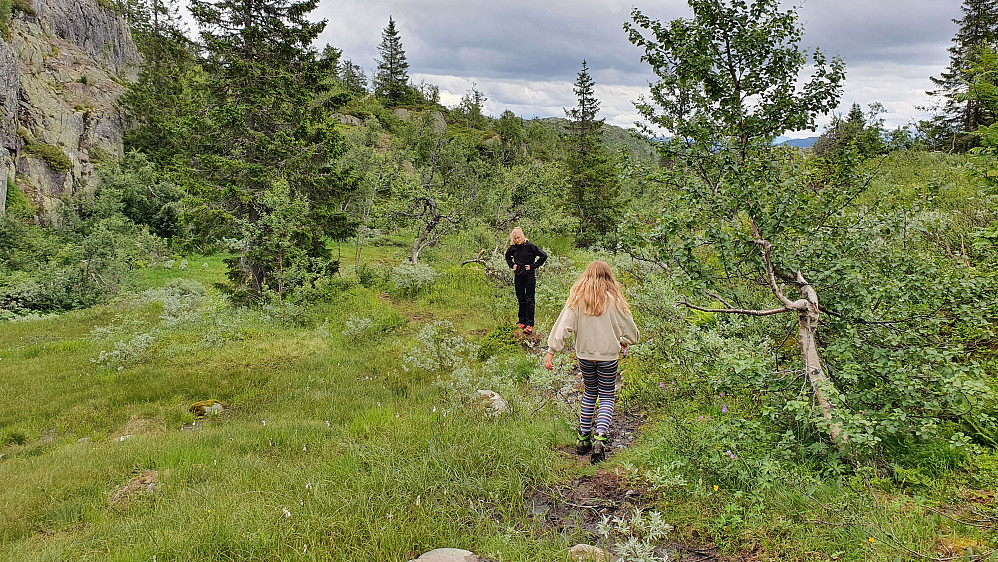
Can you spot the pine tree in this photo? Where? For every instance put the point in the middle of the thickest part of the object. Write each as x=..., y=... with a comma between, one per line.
x=264, y=126
x=593, y=181
x=391, y=82
x=977, y=28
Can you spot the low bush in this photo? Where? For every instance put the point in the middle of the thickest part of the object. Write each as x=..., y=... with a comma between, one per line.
x=408, y=280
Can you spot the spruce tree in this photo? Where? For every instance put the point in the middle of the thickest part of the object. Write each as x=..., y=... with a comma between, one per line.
x=164, y=90
x=961, y=114
x=592, y=174
x=264, y=127
x=352, y=77
x=585, y=130
x=391, y=82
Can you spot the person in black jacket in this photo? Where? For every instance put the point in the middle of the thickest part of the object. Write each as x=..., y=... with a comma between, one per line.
x=523, y=257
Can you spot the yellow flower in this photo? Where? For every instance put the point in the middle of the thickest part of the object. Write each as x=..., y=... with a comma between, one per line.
x=715, y=487
x=872, y=540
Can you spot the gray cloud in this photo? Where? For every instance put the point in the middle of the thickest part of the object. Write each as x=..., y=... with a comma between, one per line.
x=525, y=54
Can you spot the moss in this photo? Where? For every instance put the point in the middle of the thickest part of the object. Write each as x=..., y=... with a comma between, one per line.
x=23, y=6
x=6, y=10
x=100, y=156
x=18, y=204
x=52, y=155
x=25, y=135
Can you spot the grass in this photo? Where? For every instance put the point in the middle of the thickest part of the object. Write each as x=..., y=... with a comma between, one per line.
x=369, y=463
x=331, y=450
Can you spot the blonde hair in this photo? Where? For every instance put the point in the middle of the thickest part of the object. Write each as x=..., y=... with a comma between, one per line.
x=591, y=291
x=517, y=234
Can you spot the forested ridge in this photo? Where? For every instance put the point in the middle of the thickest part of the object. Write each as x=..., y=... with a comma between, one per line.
x=278, y=324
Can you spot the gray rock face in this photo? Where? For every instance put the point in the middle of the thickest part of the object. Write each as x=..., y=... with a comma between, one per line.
x=439, y=123
x=348, y=120
x=61, y=75
x=99, y=33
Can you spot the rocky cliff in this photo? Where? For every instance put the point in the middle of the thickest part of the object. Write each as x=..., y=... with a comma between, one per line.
x=62, y=69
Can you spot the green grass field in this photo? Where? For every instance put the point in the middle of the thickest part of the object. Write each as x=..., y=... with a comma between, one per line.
x=334, y=447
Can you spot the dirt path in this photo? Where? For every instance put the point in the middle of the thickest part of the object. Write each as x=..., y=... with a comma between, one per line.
x=583, y=502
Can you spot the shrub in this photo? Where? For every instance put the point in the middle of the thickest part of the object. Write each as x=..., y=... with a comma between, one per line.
x=371, y=274
x=408, y=279
x=357, y=327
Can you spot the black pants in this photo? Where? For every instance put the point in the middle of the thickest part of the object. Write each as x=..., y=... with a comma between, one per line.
x=524, y=283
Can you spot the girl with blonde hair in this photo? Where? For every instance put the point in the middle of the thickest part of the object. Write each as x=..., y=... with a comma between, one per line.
x=524, y=257
x=599, y=317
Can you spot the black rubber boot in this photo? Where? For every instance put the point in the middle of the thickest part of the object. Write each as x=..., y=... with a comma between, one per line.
x=599, y=448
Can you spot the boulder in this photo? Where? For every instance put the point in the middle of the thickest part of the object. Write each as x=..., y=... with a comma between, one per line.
x=207, y=408
x=438, y=122
x=146, y=482
x=401, y=113
x=348, y=119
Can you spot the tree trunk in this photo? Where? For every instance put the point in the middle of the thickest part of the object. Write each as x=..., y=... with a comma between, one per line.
x=807, y=334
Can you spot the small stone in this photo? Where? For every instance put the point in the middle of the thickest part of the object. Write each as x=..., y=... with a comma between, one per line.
x=448, y=555
x=207, y=407
x=145, y=482
x=495, y=405
x=587, y=553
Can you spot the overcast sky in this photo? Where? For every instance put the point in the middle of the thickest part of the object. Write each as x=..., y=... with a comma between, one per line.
x=524, y=55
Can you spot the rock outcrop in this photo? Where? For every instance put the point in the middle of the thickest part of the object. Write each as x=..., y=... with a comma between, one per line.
x=62, y=70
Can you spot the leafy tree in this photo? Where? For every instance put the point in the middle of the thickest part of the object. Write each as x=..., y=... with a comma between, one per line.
x=962, y=115
x=512, y=138
x=146, y=197
x=470, y=107
x=727, y=85
x=746, y=223
x=592, y=173
x=434, y=183
x=265, y=121
x=391, y=81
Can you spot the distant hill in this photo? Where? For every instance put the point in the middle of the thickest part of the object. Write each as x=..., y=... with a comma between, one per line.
x=799, y=143
x=634, y=142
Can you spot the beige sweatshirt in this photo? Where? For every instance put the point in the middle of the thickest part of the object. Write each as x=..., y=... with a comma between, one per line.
x=597, y=338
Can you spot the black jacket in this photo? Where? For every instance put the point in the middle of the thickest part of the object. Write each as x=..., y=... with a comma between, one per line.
x=527, y=253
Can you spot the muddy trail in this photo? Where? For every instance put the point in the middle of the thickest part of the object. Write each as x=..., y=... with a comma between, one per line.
x=583, y=502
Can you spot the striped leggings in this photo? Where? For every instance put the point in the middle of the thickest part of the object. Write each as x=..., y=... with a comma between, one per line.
x=599, y=378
